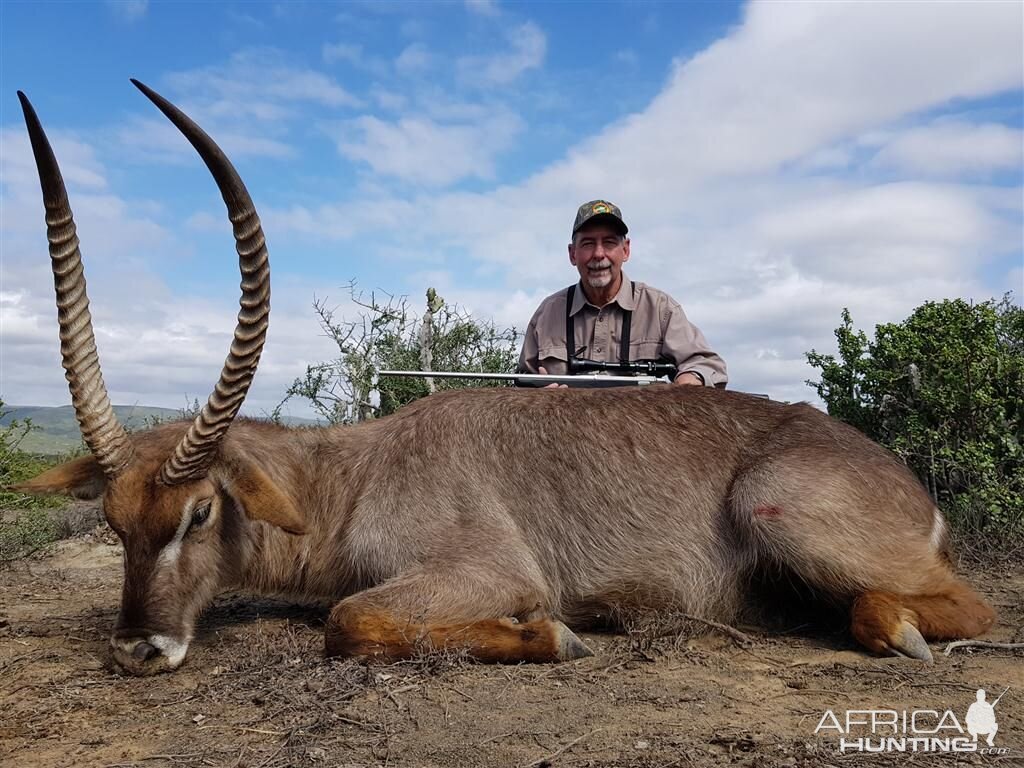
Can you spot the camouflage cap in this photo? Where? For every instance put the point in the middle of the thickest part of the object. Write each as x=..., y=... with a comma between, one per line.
x=599, y=208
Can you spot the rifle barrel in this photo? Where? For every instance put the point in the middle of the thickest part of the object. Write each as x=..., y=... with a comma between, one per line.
x=584, y=380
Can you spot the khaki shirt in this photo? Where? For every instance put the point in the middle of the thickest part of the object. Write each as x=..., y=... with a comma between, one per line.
x=659, y=330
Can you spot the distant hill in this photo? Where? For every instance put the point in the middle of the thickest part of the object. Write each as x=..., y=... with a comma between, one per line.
x=57, y=431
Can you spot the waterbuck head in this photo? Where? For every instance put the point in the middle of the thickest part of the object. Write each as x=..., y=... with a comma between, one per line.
x=178, y=496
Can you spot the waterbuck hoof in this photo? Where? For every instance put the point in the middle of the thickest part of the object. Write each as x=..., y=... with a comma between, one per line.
x=909, y=642
x=569, y=646
x=144, y=652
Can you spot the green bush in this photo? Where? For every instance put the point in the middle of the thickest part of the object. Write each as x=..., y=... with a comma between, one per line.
x=26, y=525
x=944, y=390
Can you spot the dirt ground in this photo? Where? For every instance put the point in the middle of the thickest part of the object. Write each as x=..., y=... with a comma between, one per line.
x=256, y=691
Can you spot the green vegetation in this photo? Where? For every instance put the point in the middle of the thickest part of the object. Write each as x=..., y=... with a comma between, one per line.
x=26, y=525
x=388, y=337
x=944, y=390
x=55, y=430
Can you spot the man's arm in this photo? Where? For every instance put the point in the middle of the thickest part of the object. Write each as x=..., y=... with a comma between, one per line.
x=685, y=345
x=529, y=360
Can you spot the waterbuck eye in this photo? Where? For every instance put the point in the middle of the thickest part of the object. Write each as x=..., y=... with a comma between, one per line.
x=199, y=515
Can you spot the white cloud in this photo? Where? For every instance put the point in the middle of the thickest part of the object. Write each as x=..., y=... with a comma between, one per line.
x=389, y=100
x=156, y=140
x=880, y=233
x=422, y=151
x=415, y=59
x=528, y=47
x=954, y=147
x=260, y=75
x=128, y=10
x=349, y=52
x=78, y=162
x=483, y=7
x=354, y=55
x=247, y=105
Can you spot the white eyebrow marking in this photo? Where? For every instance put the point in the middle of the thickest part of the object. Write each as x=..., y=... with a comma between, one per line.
x=172, y=550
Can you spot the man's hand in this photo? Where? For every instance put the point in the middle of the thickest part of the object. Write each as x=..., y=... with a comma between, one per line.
x=553, y=385
x=688, y=378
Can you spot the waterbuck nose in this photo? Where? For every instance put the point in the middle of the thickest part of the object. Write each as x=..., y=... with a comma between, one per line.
x=144, y=651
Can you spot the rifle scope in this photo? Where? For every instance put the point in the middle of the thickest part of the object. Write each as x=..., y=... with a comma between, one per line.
x=638, y=368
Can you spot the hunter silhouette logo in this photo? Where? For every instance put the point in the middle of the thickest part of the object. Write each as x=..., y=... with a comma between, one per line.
x=917, y=730
x=981, y=718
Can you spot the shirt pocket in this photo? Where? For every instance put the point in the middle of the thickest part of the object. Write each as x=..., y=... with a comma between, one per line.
x=645, y=350
x=552, y=352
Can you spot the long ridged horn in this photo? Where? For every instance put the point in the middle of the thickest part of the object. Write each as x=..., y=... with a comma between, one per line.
x=193, y=454
x=101, y=430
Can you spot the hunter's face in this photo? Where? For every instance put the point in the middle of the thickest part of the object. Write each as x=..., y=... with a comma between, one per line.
x=598, y=253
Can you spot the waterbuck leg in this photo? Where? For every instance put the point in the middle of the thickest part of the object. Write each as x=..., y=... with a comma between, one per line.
x=891, y=624
x=470, y=608
x=863, y=533
x=384, y=636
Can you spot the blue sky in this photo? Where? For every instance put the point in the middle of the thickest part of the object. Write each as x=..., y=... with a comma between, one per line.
x=776, y=162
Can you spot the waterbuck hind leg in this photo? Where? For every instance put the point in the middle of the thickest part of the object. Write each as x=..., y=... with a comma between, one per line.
x=855, y=525
x=890, y=624
x=491, y=614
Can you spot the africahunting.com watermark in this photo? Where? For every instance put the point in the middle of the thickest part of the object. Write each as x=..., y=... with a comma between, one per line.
x=916, y=730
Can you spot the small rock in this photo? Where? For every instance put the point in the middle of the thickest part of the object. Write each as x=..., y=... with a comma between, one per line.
x=641, y=745
x=198, y=719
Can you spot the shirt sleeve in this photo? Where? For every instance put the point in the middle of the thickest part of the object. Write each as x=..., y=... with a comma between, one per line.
x=529, y=360
x=686, y=346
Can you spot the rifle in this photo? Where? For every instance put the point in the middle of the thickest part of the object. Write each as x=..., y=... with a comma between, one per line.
x=543, y=379
x=582, y=373
x=1000, y=696
x=538, y=379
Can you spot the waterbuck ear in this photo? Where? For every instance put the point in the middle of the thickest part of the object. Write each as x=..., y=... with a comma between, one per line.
x=261, y=499
x=81, y=478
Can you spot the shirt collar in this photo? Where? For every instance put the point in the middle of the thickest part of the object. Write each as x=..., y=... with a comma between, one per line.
x=624, y=298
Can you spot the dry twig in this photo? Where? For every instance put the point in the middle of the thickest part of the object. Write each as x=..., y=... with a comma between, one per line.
x=740, y=637
x=547, y=760
x=981, y=644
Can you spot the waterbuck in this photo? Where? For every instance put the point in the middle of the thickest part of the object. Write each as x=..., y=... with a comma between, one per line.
x=490, y=520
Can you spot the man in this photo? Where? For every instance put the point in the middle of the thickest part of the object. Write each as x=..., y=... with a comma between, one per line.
x=608, y=317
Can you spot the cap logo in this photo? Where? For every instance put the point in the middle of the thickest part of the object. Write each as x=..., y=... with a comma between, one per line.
x=600, y=208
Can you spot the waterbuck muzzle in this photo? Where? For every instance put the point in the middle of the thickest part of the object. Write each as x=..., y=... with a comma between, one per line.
x=152, y=504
